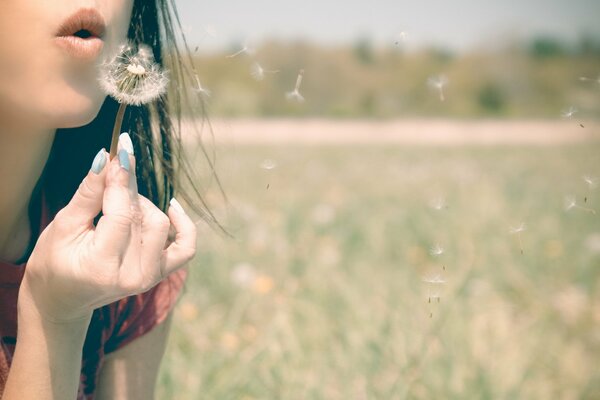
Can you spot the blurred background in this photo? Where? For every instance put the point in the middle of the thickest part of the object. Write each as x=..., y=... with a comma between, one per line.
x=412, y=191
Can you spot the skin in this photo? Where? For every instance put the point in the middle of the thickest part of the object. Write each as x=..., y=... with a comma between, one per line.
x=42, y=88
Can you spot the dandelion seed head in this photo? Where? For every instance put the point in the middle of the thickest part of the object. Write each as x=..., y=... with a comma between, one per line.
x=132, y=77
x=136, y=69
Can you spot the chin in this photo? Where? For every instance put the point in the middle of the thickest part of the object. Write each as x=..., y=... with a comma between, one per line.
x=83, y=113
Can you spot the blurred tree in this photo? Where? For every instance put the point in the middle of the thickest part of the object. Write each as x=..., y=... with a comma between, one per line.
x=588, y=45
x=546, y=47
x=491, y=99
x=363, y=50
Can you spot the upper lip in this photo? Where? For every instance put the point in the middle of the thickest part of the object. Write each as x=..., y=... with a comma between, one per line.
x=85, y=19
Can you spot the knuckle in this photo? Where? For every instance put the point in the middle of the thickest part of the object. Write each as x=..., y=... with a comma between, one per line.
x=86, y=191
x=126, y=217
x=131, y=286
x=188, y=252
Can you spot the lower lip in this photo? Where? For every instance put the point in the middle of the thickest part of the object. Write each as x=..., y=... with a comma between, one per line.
x=84, y=49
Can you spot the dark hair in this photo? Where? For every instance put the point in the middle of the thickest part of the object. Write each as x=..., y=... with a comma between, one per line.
x=155, y=129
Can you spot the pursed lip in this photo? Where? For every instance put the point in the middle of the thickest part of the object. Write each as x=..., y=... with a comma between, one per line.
x=85, y=19
x=81, y=34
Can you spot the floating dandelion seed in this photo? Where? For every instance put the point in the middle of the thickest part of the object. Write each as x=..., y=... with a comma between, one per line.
x=436, y=280
x=517, y=230
x=569, y=112
x=199, y=89
x=268, y=164
x=586, y=79
x=209, y=30
x=245, y=49
x=438, y=83
x=436, y=250
x=258, y=72
x=401, y=37
x=295, y=94
x=571, y=203
x=591, y=181
x=438, y=203
x=132, y=78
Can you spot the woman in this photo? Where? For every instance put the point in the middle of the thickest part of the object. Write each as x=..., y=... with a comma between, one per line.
x=89, y=272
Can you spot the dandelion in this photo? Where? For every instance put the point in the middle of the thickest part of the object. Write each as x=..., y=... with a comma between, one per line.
x=258, y=72
x=571, y=203
x=517, y=230
x=245, y=49
x=268, y=164
x=436, y=250
x=132, y=78
x=295, y=94
x=569, y=112
x=438, y=83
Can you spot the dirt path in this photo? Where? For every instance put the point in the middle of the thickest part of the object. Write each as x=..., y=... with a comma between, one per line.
x=419, y=132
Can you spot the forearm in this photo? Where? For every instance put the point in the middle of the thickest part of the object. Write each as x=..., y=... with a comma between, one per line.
x=47, y=359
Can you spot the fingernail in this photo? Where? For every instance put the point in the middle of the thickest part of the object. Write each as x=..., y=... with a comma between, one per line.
x=99, y=162
x=124, y=159
x=175, y=204
x=125, y=142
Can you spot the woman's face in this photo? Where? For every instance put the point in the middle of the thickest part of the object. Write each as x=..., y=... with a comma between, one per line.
x=49, y=54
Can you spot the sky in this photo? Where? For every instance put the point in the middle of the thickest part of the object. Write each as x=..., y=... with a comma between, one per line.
x=453, y=24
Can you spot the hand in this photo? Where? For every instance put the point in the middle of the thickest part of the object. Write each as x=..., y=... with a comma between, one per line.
x=77, y=267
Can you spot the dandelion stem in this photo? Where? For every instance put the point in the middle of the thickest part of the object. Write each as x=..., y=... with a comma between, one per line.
x=520, y=242
x=117, y=130
x=586, y=209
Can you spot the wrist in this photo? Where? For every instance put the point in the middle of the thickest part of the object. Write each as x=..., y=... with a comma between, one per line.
x=31, y=320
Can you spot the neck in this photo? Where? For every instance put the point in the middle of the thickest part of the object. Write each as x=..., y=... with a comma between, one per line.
x=23, y=155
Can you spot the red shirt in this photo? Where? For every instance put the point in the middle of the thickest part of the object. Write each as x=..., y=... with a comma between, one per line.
x=111, y=326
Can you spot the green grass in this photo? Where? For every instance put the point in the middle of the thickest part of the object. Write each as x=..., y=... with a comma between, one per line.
x=339, y=243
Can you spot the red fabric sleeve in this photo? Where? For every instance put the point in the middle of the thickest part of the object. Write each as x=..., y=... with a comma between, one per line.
x=135, y=315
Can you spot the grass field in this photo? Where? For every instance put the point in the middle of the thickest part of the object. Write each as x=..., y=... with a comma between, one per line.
x=321, y=295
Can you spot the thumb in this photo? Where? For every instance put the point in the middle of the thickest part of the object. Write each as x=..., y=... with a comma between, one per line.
x=86, y=204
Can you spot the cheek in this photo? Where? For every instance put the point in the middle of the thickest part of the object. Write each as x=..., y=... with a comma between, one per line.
x=53, y=95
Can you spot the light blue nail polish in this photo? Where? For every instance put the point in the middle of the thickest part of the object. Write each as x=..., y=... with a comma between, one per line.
x=124, y=159
x=99, y=162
